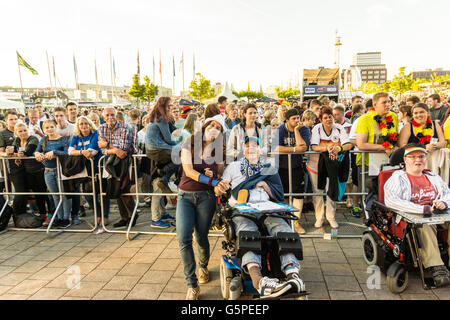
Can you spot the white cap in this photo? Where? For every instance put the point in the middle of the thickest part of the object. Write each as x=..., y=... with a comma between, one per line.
x=219, y=118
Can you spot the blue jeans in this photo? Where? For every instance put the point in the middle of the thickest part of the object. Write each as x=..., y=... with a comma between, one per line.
x=273, y=225
x=51, y=180
x=195, y=211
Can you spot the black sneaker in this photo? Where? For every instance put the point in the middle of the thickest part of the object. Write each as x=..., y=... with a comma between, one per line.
x=56, y=223
x=121, y=223
x=440, y=276
x=63, y=224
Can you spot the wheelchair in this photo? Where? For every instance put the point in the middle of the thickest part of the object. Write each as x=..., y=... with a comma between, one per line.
x=391, y=241
x=234, y=282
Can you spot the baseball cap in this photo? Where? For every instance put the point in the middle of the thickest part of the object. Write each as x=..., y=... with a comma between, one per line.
x=252, y=138
x=415, y=148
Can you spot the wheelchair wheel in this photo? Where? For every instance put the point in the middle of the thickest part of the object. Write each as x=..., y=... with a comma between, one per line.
x=373, y=254
x=397, y=278
x=225, y=278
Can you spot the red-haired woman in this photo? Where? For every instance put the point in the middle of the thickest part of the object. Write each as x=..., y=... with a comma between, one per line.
x=159, y=142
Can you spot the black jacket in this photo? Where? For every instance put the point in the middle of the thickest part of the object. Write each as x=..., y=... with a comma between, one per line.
x=119, y=180
x=337, y=172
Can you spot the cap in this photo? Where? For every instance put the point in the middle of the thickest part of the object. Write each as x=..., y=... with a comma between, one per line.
x=291, y=112
x=252, y=138
x=219, y=118
x=185, y=111
x=416, y=148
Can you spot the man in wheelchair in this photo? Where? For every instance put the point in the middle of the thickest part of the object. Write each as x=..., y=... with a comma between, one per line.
x=268, y=187
x=422, y=192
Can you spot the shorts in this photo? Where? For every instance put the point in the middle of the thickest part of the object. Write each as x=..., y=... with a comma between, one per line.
x=298, y=175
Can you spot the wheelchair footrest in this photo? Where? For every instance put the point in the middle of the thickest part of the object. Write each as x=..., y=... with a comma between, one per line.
x=290, y=242
x=248, y=241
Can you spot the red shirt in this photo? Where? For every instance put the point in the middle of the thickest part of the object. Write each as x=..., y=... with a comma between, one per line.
x=422, y=191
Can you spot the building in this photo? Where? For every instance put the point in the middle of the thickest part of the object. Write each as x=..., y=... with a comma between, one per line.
x=428, y=73
x=370, y=67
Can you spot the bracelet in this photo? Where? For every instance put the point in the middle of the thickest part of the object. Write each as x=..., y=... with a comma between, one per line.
x=295, y=148
x=207, y=180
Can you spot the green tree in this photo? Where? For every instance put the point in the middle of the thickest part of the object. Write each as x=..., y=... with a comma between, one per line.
x=286, y=94
x=200, y=88
x=150, y=90
x=401, y=82
x=370, y=87
x=137, y=89
x=250, y=95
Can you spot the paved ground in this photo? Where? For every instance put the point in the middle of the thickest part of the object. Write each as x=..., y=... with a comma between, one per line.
x=149, y=267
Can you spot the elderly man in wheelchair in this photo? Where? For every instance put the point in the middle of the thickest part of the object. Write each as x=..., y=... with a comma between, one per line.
x=425, y=194
x=252, y=181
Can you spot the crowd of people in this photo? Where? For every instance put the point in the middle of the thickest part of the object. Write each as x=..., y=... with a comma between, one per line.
x=201, y=152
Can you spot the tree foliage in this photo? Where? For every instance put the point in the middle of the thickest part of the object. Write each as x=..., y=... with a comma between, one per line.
x=200, y=88
x=250, y=95
x=286, y=94
x=143, y=92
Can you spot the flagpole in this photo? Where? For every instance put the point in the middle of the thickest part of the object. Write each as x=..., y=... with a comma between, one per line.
x=154, y=78
x=193, y=59
x=112, y=81
x=182, y=70
x=20, y=78
x=49, y=72
x=160, y=69
x=173, y=75
x=96, y=80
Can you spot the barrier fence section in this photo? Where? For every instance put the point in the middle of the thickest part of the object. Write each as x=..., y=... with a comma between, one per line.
x=131, y=234
x=61, y=193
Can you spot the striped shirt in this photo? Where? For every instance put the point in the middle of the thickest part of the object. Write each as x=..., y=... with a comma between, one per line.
x=122, y=136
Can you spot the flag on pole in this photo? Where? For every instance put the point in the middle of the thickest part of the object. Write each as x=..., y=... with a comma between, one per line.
x=138, y=65
x=23, y=63
x=182, y=62
x=75, y=70
x=173, y=62
x=193, y=57
x=154, y=77
x=54, y=71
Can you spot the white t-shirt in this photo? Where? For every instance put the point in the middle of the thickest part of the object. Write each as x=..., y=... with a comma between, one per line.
x=234, y=176
x=67, y=131
x=31, y=129
x=337, y=137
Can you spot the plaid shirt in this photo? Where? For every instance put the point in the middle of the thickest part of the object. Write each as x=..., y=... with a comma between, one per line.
x=122, y=136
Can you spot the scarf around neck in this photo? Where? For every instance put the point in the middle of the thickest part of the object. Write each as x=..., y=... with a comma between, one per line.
x=248, y=169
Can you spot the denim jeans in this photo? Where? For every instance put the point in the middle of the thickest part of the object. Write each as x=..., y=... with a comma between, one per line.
x=51, y=180
x=195, y=211
x=273, y=225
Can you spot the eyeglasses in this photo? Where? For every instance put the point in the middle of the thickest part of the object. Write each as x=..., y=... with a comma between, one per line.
x=422, y=157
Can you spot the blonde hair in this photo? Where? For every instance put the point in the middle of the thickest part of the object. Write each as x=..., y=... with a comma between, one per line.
x=48, y=121
x=77, y=131
x=308, y=115
x=95, y=116
x=18, y=125
x=275, y=121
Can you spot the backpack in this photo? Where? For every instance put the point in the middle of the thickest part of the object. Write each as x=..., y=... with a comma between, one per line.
x=28, y=220
x=4, y=219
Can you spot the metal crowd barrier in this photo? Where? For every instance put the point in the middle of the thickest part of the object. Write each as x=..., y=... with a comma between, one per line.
x=131, y=234
x=61, y=193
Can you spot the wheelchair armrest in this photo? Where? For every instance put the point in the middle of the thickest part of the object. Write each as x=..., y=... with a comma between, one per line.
x=381, y=205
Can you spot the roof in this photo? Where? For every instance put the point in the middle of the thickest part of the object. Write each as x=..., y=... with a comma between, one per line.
x=320, y=75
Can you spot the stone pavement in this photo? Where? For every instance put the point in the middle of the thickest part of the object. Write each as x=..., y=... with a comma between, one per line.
x=149, y=267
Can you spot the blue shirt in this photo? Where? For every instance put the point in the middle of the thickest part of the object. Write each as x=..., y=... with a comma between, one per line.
x=59, y=147
x=90, y=142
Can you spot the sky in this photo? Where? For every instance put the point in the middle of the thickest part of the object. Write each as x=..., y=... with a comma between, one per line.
x=256, y=42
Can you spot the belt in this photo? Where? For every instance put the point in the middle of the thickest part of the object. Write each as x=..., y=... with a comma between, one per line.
x=50, y=168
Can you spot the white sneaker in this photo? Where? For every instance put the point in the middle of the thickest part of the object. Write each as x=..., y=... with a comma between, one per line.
x=193, y=293
x=270, y=287
x=297, y=284
x=333, y=224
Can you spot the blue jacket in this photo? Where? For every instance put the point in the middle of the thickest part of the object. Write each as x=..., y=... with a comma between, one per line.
x=158, y=136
